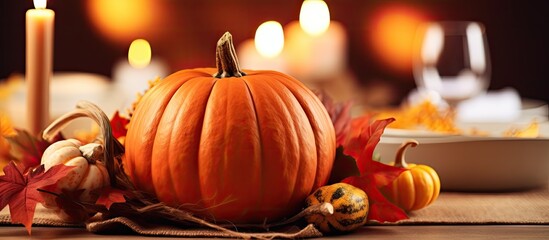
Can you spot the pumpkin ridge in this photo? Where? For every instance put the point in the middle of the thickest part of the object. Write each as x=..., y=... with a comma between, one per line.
x=267, y=101
x=293, y=127
x=299, y=174
x=132, y=159
x=261, y=189
x=301, y=125
x=201, y=121
x=224, y=160
x=173, y=171
x=307, y=108
x=231, y=143
x=199, y=140
x=170, y=168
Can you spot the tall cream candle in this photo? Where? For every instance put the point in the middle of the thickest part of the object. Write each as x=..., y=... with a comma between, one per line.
x=39, y=31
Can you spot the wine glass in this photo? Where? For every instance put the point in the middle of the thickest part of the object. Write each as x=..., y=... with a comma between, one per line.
x=451, y=59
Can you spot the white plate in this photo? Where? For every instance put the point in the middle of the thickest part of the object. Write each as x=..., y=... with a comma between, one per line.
x=468, y=163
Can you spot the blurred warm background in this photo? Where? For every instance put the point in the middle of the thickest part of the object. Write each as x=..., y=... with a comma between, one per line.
x=92, y=36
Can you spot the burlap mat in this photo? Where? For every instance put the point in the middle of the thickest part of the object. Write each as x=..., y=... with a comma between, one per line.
x=525, y=207
x=42, y=217
x=150, y=229
x=121, y=225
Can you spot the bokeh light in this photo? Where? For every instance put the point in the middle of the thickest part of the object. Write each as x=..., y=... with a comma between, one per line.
x=121, y=21
x=392, y=36
x=269, y=39
x=314, y=17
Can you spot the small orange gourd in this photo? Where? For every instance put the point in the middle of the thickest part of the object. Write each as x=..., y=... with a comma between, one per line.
x=415, y=188
x=244, y=147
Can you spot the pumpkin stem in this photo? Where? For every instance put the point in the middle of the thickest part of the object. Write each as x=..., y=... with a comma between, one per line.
x=92, y=152
x=112, y=148
x=399, y=159
x=225, y=58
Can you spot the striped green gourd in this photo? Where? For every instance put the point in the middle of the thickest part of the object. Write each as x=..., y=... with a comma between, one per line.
x=350, y=208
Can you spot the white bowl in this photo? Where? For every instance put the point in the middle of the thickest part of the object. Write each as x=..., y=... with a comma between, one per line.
x=466, y=163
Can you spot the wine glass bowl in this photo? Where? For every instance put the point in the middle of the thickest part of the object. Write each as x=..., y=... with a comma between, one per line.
x=451, y=58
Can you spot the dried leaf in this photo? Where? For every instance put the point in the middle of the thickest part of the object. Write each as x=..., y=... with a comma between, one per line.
x=110, y=196
x=18, y=189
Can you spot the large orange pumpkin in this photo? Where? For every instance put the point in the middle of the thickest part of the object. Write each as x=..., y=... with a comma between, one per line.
x=235, y=146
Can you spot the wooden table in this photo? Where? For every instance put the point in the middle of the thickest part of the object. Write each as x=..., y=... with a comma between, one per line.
x=370, y=232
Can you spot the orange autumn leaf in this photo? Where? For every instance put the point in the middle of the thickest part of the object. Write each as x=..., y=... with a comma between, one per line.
x=6, y=130
x=6, y=127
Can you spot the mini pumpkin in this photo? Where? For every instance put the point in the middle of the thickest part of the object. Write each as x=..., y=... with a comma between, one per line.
x=89, y=173
x=246, y=147
x=415, y=188
x=350, y=208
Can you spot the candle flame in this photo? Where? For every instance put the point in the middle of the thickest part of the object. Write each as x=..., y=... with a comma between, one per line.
x=139, y=55
x=40, y=4
x=314, y=17
x=269, y=39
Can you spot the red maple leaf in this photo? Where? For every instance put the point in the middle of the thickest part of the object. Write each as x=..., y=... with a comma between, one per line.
x=110, y=196
x=360, y=145
x=118, y=125
x=18, y=189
